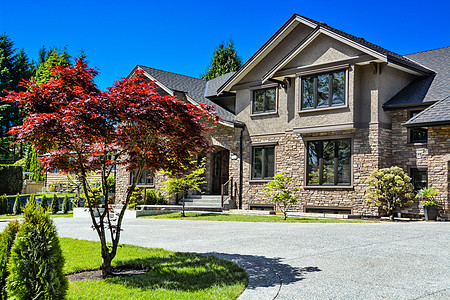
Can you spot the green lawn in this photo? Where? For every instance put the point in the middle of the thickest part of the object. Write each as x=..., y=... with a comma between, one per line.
x=171, y=275
x=69, y=215
x=251, y=218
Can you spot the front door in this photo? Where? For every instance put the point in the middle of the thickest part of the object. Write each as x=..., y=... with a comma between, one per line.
x=219, y=170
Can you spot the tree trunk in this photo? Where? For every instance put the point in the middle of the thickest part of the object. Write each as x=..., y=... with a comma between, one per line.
x=106, y=265
x=391, y=217
x=182, y=210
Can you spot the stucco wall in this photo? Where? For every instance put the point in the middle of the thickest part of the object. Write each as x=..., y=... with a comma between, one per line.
x=274, y=56
x=323, y=49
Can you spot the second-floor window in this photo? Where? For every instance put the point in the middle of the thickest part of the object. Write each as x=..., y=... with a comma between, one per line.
x=264, y=100
x=323, y=90
x=417, y=135
x=146, y=178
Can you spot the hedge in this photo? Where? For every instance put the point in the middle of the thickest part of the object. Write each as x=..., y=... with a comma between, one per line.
x=12, y=179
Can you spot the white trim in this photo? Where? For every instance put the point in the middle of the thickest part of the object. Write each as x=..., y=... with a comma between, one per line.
x=166, y=89
x=329, y=33
x=356, y=45
x=274, y=40
x=288, y=58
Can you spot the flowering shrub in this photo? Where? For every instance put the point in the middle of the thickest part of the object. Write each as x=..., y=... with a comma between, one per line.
x=389, y=189
x=427, y=196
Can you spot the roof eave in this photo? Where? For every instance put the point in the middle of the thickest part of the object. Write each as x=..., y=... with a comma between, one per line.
x=409, y=66
x=270, y=42
x=408, y=106
x=427, y=124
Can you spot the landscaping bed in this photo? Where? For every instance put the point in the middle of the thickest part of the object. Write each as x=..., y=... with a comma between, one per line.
x=143, y=273
x=252, y=218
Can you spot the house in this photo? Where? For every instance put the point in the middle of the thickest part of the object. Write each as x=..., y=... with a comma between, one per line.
x=328, y=108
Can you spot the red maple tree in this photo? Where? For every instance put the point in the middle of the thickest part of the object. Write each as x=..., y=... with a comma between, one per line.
x=82, y=129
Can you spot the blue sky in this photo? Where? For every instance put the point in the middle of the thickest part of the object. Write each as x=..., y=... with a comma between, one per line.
x=180, y=36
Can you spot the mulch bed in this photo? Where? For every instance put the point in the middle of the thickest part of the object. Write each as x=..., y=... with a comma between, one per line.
x=97, y=274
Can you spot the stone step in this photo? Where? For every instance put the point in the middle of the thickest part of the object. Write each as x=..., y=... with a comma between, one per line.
x=190, y=204
x=204, y=197
x=201, y=200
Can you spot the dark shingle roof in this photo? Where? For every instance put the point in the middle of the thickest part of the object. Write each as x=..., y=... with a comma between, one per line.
x=435, y=115
x=193, y=87
x=427, y=89
x=214, y=84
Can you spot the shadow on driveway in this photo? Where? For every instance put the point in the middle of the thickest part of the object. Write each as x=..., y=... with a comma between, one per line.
x=266, y=272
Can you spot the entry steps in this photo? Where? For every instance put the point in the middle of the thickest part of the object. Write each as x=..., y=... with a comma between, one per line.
x=202, y=203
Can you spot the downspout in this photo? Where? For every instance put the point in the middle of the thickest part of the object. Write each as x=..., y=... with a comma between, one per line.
x=241, y=162
x=241, y=167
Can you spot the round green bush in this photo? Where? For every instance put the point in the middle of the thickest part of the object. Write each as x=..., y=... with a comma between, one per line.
x=6, y=241
x=36, y=262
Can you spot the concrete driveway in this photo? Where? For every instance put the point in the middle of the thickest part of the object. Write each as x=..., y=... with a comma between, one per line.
x=308, y=261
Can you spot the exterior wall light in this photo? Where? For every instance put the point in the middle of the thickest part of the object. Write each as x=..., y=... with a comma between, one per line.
x=234, y=156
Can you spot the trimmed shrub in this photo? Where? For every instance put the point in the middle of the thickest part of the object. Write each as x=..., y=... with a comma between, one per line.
x=12, y=180
x=3, y=205
x=44, y=204
x=16, y=208
x=32, y=200
x=36, y=262
x=136, y=198
x=76, y=201
x=55, y=204
x=155, y=198
x=6, y=242
x=94, y=198
x=65, y=205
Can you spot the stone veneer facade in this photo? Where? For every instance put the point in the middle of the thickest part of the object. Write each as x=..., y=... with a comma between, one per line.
x=374, y=147
x=220, y=137
x=290, y=156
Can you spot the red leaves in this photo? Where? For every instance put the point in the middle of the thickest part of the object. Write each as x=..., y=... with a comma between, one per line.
x=77, y=124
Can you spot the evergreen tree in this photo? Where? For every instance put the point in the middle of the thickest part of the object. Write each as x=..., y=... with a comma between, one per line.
x=42, y=55
x=53, y=58
x=82, y=57
x=13, y=67
x=225, y=60
x=3, y=205
x=65, y=205
x=16, y=207
x=33, y=164
x=6, y=242
x=36, y=263
x=32, y=200
x=55, y=204
x=44, y=204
